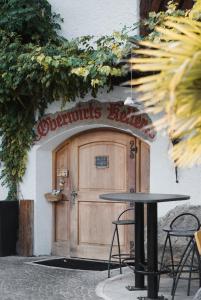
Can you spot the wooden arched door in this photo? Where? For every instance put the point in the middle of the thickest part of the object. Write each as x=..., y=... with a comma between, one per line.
x=94, y=163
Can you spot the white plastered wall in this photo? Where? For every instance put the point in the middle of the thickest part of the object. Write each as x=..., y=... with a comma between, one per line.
x=3, y=189
x=95, y=17
x=163, y=180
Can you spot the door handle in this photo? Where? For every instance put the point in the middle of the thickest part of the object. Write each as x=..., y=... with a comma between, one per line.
x=73, y=196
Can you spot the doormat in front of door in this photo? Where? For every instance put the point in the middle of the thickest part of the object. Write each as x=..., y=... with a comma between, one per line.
x=79, y=264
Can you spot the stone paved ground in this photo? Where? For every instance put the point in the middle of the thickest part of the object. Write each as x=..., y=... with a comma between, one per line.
x=20, y=280
x=114, y=288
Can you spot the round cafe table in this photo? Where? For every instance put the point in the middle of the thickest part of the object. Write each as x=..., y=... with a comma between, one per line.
x=151, y=269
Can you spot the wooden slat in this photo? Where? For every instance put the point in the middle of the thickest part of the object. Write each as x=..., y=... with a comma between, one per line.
x=26, y=227
x=182, y=4
x=144, y=172
x=144, y=167
x=159, y=5
x=147, y=6
x=156, y=5
x=198, y=240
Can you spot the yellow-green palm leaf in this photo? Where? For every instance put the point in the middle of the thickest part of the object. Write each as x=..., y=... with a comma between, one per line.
x=175, y=89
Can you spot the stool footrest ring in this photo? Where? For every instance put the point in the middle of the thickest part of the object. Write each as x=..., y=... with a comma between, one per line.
x=145, y=271
x=116, y=256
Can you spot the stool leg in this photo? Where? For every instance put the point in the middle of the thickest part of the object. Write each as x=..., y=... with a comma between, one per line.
x=119, y=250
x=162, y=257
x=190, y=271
x=172, y=263
x=178, y=268
x=182, y=262
x=171, y=254
x=111, y=246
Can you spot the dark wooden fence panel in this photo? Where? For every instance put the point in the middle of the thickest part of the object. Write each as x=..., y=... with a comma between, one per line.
x=9, y=211
x=26, y=227
x=158, y=5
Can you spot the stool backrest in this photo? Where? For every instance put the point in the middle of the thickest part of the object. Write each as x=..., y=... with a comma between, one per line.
x=198, y=240
x=125, y=211
x=185, y=221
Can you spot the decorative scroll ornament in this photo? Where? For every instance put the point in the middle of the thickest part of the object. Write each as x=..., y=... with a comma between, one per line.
x=133, y=149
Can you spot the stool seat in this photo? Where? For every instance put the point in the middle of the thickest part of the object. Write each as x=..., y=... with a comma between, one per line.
x=123, y=222
x=180, y=232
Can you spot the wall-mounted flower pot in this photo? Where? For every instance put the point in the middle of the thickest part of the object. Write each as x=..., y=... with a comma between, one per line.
x=54, y=198
x=9, y=220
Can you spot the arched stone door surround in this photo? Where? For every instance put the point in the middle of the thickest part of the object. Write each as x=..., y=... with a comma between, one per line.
x=39, y=176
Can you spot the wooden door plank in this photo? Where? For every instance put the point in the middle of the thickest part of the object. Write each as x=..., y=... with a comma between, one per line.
x=144, y=172
x=26, y=227
x=144, y=167
x=61, y=180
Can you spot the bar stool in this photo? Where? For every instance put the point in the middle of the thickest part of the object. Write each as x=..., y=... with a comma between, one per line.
x=176, y=230
x=119, y=255
x=195, y=249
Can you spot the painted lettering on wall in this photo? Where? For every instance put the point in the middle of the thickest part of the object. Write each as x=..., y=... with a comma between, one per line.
x=93, y=111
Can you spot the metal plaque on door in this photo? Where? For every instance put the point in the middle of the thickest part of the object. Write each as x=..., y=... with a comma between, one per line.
x=102, y=162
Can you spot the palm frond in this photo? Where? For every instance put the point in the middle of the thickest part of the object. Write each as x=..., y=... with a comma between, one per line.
x=175, y=89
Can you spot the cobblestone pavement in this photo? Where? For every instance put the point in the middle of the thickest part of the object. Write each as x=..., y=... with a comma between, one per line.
x=20, y=280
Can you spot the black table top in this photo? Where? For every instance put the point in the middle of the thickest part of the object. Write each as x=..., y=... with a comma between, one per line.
x=143, y=197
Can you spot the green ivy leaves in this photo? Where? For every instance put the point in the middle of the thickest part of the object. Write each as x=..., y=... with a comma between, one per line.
x=37, y=67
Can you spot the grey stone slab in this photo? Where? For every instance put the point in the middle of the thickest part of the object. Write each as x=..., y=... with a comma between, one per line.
x=20, y=280
x=198, y=295
x=115, y=288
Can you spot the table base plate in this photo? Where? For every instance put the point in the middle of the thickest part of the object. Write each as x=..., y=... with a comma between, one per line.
x=146, y=298
x=132, y=288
